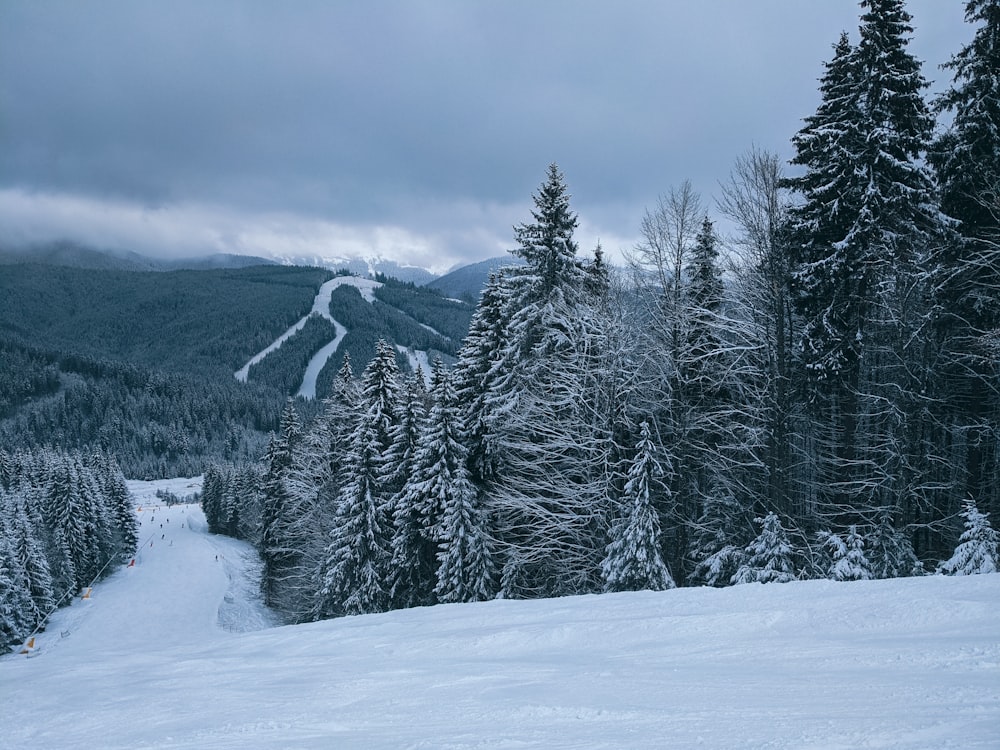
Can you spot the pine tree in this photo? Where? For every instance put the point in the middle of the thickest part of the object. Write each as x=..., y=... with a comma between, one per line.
x=28, y=566
x=450, y=505
x=769, y=556
x=482, y=377
x=860, y=237
x=15, y=601
x=977, y=550
x=276, y=553
x=890, y=552
x=966, y=272
x=547, y=243
x=718, y=541
x=412, y=546
x=632, y=561
x=354, y=575
x=849, y=562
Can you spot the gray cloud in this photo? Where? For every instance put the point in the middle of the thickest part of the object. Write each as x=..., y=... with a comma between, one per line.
x=420, y=128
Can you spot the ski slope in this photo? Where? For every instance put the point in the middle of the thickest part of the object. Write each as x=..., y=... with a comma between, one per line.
x=176, y=652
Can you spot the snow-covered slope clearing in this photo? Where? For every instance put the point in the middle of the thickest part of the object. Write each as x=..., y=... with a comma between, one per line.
x=153, y=660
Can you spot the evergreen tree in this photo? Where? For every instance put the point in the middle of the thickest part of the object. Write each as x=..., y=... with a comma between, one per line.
x=353, y=576
x=412, y=543
x=849, y=562
x=966, y=271
x=276, y=553
x=27, y=565
x=718, y=541
x=977, y=550
x=15, y=601
x=448, y=504
x=633, y=561
x=546, y=244
x=769, y=556
x=890, y=552
x=863, y=230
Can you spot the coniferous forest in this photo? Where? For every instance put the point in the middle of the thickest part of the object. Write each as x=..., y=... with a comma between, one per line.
x=815, y=396
x=819, y=397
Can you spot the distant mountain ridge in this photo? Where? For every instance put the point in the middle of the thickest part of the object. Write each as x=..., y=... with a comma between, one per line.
x=467, y=282
x=463, y=282
x=73, y=255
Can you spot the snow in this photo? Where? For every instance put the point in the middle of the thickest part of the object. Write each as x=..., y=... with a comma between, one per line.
x=176, y=652
x=318, y=362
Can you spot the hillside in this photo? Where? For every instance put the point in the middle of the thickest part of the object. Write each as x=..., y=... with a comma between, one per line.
x=180, y=643
x=467, y=282
x=141, y=363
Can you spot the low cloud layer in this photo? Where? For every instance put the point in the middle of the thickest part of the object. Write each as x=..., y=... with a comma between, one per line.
x=412, y=131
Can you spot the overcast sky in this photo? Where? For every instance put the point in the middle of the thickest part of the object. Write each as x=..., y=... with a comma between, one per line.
x=416, y=131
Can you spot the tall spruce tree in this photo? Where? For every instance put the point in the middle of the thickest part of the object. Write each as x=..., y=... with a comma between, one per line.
x=355, y=573
x=632, y=561
x=866, y=224
x=966, y=271
x=278, y=555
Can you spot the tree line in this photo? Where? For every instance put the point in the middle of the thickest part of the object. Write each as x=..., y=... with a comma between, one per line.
x=818, y=398
x=65, y=521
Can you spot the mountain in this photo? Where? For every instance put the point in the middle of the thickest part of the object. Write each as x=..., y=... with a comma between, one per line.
x=174, y=368
x=73, y=255
x=366, y=267
x=181, y=642
x=467, y=282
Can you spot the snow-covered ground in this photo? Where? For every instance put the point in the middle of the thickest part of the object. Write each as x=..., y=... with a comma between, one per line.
x=176, y=652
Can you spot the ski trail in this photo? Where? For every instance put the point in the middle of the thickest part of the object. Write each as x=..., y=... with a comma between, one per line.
x=321, y=306
x=318, y=362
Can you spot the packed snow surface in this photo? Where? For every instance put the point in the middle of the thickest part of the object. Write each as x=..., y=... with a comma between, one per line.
x=177, y=652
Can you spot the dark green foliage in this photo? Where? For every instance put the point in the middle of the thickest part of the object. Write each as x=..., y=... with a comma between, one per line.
x=446, y=316
x=24, y=374
x=367, y=322
x=65, y=522
x=155, y=424
x=190, y=321
x=282, y=369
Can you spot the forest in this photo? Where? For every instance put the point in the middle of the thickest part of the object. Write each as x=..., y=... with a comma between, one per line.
x=818, y=397
x=66, y=521
x=821, y=398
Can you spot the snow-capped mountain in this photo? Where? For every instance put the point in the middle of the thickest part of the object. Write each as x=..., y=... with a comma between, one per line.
x=361, y=266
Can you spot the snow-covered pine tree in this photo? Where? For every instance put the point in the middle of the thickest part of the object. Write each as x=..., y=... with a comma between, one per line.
x=966, y=271
x=890, y=551
x=465, y=560
x=15, y=601
x=554, y=439
x=275, y=551
x=121, y=509
x=632, y=561
x=865, y=225
x=769, y=556
x=718, y=541
x=849, y=562
x=978, y=549
x=354, y=575
x=28, y=566
x=482, y=377
x=413, y=564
